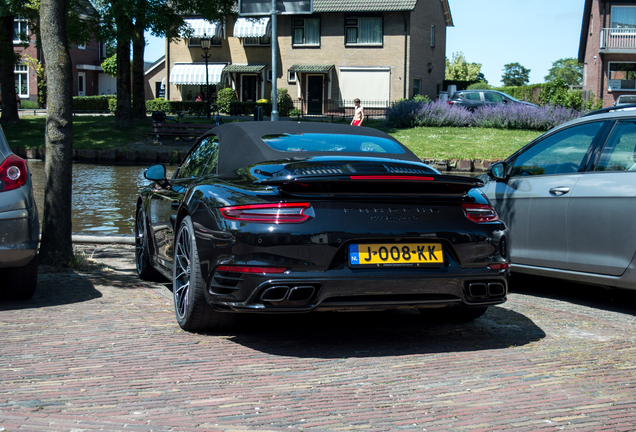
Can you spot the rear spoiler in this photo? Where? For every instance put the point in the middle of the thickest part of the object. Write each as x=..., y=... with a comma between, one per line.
x=374, y=184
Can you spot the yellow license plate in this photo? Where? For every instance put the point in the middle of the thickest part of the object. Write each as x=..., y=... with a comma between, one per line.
x=399, y=253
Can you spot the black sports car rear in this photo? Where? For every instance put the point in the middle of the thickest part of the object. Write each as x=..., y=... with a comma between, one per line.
x=281, y=217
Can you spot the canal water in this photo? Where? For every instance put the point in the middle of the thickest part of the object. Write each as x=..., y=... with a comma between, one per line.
x=104, y=197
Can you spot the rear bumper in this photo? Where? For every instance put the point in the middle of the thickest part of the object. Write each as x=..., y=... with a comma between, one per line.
x=289, y=295
x=19, y=237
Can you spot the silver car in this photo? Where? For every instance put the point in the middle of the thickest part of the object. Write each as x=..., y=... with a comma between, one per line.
x=569, y=199
x=19, y=227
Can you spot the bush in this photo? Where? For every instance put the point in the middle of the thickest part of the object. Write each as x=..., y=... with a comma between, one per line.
x=520, y=116
x=420, y=98
x=528, y=93
x=93, y=103
x=402, y=113
x=479, y=86
x=283, y=102
x=440, y=113
x=223, y=99
x=27, y=104
x=158, y=104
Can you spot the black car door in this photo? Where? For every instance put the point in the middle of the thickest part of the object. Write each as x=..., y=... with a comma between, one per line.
x=166, y=201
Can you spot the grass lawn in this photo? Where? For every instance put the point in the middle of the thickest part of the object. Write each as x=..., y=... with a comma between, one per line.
x=98, y=132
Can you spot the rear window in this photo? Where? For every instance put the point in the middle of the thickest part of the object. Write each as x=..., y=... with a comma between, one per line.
x=331, y=143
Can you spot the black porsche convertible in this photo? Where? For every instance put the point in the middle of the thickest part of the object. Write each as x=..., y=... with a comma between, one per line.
x=286, y=217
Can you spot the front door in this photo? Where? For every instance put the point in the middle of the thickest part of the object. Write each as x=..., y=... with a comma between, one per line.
x=314, y=94
x=81, y=84
x=249, y=88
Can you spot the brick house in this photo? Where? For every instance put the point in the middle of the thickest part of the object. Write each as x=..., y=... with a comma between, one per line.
x=376, y=50
x=86, y=60
x=607, y=48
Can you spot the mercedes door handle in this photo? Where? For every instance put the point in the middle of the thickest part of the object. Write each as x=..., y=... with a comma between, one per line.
x=558, y=191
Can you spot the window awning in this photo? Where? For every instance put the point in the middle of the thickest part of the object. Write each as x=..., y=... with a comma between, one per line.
x=203, y=27
x=194, y=73
x=242, y=68
x=311, y=68
x=251, y=27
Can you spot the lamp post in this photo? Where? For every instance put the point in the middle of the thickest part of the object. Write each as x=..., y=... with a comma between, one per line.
x=205, y=45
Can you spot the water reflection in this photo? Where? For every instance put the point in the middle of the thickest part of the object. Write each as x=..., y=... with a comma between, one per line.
x=104, y=196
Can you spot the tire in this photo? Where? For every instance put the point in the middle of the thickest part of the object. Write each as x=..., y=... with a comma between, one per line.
x=19, y=283
x=453, y=314
x=145, y=270
x=191, y=309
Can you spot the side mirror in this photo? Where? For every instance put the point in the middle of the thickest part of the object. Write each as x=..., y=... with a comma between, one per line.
x=155, y=172
x=497, y=171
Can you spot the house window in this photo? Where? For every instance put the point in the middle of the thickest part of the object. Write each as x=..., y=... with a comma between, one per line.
x=291, y=76
x=306, y=32
x=623, y=17
x=196, y=42
x=269, y=75
x=432, y=35
x=417, y=87
x=622, y=76
x=256, y=41
x=21, y=73
x=363, y=31
x=20, y=30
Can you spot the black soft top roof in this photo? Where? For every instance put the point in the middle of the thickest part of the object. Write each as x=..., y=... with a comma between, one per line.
x=240, y=143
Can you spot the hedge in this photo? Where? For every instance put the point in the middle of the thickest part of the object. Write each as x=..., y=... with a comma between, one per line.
x=93, y=103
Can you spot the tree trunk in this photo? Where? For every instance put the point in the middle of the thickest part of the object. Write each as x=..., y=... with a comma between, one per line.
x=7, y=66
x=56, y=245
x=123, y=118
x=138, y=84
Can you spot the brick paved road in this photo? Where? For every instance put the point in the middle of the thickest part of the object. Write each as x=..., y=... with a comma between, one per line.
x=100, y=350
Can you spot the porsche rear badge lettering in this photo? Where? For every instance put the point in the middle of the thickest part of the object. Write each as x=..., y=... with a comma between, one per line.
x=391, y=210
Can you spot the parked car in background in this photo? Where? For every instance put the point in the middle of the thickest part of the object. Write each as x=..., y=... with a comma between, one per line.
x=625, y=99
x=293, y=217
x=473, y=99
x=568, y=199
x=19, y=227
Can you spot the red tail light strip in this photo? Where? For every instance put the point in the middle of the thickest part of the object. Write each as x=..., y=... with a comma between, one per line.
x=499, y=266
x=247, y=269
x=480, y=213
x=389, y=177
x=14, y=173
x=268, y=213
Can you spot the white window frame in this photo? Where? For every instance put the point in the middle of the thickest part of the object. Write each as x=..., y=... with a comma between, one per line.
x=23, y=27
x=257, y=41
x=19, y=71
x=616, y=84
x=349, y=25
x=295, y=26
x=621, y=6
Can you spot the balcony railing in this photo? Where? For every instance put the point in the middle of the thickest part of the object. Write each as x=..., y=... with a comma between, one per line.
x=618, y=38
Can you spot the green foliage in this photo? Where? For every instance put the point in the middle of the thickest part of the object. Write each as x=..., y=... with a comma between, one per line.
x=557, y=92
x=459, y=69
x=27, y=104
x=158, y=104
x=295, y=112
x=110, y=65
x=92, y=103
x=420, y=98
x=567, y=69
x=36, y=66
x=224, y=98
x=515, y=75
x=528, y=93
x=479, y=86
x=283, y=102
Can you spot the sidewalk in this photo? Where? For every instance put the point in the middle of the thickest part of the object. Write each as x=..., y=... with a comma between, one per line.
x=100, y=350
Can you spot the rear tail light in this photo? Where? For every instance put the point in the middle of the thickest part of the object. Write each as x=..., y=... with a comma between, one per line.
x=14, y=173
x=268, y=213
x=480, y=213
x=251, y=269
x=499, y=266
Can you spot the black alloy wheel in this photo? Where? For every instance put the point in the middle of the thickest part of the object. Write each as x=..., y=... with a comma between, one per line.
x=192, y=311
x=145, y=271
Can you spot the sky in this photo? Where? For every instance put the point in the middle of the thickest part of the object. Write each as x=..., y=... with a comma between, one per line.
x=497, y=32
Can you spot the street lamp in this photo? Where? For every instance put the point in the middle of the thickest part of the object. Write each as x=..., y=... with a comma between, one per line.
x=205, y=45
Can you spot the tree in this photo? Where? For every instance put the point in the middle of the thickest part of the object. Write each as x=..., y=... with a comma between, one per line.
x=56, y=245
x=515, y=75
x=459, y=69
x=567, y=69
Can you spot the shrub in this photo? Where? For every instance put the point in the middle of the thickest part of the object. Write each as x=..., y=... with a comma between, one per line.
x=479, y=86
x=440, y=113
x=283, y=102
x=158, y=104
x=93, y=103
x=520, y=116
x=223, y=99
x=420, y=98
x=27, y=104
x=402, y=113
x=295, y=112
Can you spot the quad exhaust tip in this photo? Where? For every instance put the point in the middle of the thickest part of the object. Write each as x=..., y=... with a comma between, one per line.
x=486, y=289
x=283, y=293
